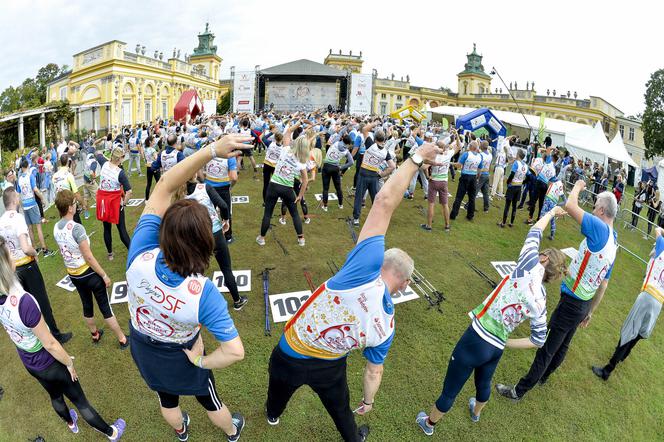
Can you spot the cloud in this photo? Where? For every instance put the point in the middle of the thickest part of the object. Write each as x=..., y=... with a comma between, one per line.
x=588, y=47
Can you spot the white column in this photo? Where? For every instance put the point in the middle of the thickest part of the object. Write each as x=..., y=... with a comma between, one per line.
x=94, y=119
x=21, y=139
x=42, y=129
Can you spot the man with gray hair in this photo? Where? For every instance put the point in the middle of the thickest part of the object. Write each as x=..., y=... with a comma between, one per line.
x=352, y=310
x=581, y=291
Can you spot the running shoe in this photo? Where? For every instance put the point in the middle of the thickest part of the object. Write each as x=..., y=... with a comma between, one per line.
x=508, y=391
x=600, y=372
x=118, y=429
x=282, y=221
x=471, y=409
x=183, y=434
x=63, y=338
x=87, y=214
x=237, y=305
x=260, y=240
x=501, y=225
x=341, y=206
x=307, y=220
x=271, y=420
x=74, y=419
x=356, y=222
x=425, y=227
x=96, y=337
x=363, y=432
x=421, y=421
x=230, y=240
x=238, y=421
x=324, y=208
x=110, y=256
x=300, y=242
x=447, y=229
x=48, y=252
x=125, y=345
x=550, y=237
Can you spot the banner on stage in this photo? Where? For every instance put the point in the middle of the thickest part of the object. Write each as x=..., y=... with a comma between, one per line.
x=119, y=292
x=242, y=279
x=504, y=268
x=330, y=197
x=360, y=94
x=242, y=199
x=244, y=91
x=65, y=283
x=135, y=202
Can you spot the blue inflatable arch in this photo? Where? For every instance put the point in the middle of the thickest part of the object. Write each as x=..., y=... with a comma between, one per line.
x=482, y=118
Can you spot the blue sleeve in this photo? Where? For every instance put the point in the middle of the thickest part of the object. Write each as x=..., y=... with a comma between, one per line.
x=357, y=142
x=419, y=141
x=180, y=156
x=232, y=164
x=122, y=178
x=462, y=159
x=33, y=181
x=156, y=164
x=213, y=314
x=515, y=166
x=595, y=230
x=146, y=237
x=548, y=159
x=362, y=264
x=101, y=159
x=659, y=246
x=352, y=137
x=376, y=355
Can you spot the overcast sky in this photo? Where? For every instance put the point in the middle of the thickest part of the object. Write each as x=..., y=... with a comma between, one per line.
x=594, y=48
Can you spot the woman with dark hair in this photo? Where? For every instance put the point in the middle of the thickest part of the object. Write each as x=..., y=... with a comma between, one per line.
x=112, y=196
x=42, y=355
x=170, y=298
x=150, y=154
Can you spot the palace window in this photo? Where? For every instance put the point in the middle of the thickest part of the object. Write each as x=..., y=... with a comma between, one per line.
x=148, y=110
x=63, y=93
x=398, y=105
x=164, y=109
x=631, y=134
x=399, y=98
x=383, y=96
x=622, y=131
x=383, y=108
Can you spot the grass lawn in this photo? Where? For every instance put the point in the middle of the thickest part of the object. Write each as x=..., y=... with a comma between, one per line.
x=573, y=405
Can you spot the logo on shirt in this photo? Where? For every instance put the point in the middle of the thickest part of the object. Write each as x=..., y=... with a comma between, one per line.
x=147, y=256
x=13, y=300
x=70, y=226
x=194, y=287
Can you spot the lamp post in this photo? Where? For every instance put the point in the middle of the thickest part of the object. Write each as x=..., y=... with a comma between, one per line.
x=494, y=71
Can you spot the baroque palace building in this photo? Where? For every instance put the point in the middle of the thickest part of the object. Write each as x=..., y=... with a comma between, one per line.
x=109, y=86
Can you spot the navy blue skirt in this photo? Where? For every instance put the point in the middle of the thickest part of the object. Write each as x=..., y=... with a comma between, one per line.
x=166, y=368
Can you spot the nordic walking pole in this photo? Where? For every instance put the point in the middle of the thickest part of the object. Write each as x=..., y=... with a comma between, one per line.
x=266, y=290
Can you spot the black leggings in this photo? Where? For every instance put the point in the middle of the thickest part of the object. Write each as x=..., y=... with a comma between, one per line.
x=333, y=173
x=303, y=203
x=511, y=199
x=40, y=204
x=122, y=230
x=223, y=257
x=539, y=195
x=267, y=174
x=32, y=282
x=225, y=193
x=90, y=285
x=56, y=380
x=358, y=163
x=287, y=195
x=151, y=174
x=210, y=401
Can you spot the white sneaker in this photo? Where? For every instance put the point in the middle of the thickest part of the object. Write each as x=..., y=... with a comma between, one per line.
x=341, y=206
x=300, y=242
x=356, y=222
x=260, y=240
x=282, y=220
x=307, y=220
x=324, y=208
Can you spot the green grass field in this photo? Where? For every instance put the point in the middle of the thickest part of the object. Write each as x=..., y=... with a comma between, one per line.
x=573, y=405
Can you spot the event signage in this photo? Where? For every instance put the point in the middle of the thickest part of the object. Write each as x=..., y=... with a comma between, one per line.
x=504, y=268
x=285, y=305
x=119, y=292
x=478, y=121
x=244, y=88
x=65, y=283
x=239, y=199
x=135, y=202
x=330, y=197
x=360, y=94
x=242, y=279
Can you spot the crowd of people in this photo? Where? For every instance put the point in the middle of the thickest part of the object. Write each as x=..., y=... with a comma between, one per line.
x=191, y=168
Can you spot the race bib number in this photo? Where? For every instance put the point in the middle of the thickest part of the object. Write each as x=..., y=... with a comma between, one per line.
x=135, y=202
x=119, y=292
x=285, y=305
x=404, y=296
x=330, y=197
x=242, y=279
x=504, y=268
x=242, y=199
x=65, y=283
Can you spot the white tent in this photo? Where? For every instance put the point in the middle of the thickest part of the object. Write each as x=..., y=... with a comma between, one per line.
x=618, y=152
x=588, y=142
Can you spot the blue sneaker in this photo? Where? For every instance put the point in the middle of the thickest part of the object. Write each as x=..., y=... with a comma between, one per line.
x=471, y=409
x=74, y=419
x=238, y=421
x=422, y=423
x=118, y=430
x=183, y=435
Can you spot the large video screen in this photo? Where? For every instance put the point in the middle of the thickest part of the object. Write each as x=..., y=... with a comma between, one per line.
x=300, y=95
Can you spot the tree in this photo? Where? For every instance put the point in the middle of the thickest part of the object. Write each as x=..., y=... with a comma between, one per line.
x=45, y=75
x=32, y=92
x=225, y=104
x=653, y=116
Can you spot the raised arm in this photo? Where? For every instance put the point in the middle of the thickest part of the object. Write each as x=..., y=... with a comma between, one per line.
x=391, y=194
x=572, y=206
x=225, y=147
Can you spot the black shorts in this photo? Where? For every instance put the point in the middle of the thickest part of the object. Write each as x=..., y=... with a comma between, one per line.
x=89, y=285
x=248, y=152
x=210, y=401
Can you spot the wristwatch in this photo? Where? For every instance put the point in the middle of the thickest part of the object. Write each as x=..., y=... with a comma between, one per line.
x=417, y=159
